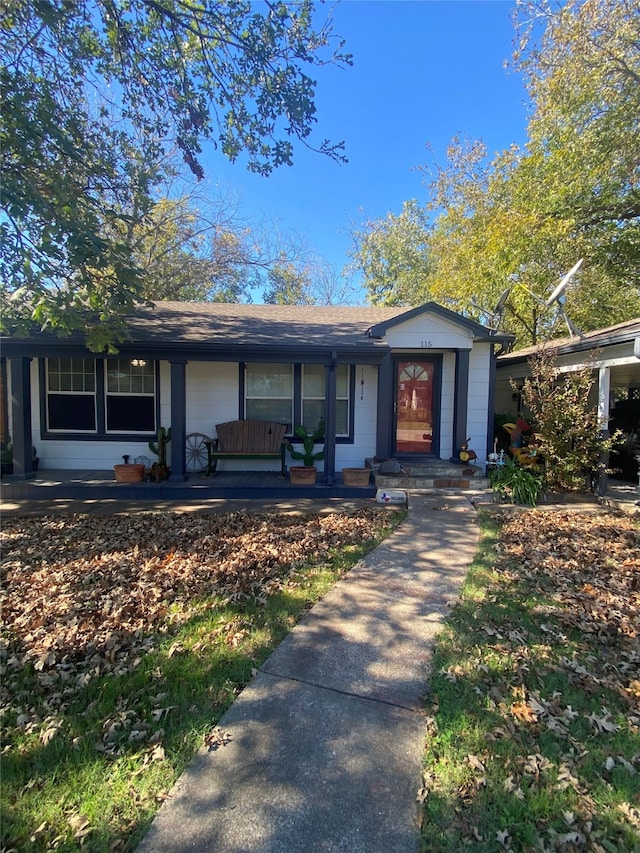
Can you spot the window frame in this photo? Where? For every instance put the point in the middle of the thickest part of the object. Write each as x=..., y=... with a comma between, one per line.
x=347, y=438
x=100, y=433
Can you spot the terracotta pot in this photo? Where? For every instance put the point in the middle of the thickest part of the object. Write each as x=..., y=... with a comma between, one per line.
x=302, y=475
x=129, y=473
x=356, y=476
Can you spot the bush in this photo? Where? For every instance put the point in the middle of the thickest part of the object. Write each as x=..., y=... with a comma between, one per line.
x=570, y=437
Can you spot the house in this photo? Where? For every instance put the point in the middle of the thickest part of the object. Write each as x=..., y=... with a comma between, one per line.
x=388, y=382
x=612, y=352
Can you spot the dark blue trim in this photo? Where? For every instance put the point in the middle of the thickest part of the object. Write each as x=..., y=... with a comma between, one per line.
x=21, y=437
x=330, y=423
x=460, y=400
x=101, y=415
x=384, y=425
x=436, y=359
x=178, y=420
x=297, y=398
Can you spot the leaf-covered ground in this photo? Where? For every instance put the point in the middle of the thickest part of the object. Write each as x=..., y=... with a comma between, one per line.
x=84, y=594
x=124, y=638
x=535, y=732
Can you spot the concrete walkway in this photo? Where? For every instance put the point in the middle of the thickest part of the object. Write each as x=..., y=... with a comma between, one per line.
x=323, y=748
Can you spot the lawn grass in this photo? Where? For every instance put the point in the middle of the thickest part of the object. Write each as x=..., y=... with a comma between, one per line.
x=94, y=736
x=533, y=739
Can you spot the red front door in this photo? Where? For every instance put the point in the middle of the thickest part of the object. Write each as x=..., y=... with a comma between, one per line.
x=414, y=405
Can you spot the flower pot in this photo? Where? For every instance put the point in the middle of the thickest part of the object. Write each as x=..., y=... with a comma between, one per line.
x=356, y=476
x=129, y=473
x=302, y=475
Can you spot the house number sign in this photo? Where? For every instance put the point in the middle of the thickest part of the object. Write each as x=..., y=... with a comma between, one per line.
x=426, y=344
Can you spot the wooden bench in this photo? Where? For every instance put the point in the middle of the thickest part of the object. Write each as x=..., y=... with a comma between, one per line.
x=247, y=440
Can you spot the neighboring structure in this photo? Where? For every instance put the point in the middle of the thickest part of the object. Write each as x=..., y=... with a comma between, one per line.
x=389, y=382
x=614, y=352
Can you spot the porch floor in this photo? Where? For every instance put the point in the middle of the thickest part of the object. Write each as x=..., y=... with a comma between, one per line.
x=98, y=484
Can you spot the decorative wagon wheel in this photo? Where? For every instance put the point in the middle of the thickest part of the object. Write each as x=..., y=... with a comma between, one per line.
x=196, y=456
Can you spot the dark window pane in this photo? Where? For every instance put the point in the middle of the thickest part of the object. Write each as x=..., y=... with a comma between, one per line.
x=72, y=412
x=131, y=414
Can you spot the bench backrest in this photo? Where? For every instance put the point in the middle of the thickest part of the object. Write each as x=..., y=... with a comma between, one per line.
x=250, y=436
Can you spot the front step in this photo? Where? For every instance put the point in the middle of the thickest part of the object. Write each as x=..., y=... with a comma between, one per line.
x=412, y=483
x=433, y=475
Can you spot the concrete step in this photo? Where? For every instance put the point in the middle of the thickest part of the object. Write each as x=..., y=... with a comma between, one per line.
x=432, y=483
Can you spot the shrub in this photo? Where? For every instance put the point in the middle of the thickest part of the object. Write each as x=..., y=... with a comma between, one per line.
x=570, y=436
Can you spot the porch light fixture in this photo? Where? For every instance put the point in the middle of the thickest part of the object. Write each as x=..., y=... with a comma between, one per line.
x=138, y=362
x=362, y=384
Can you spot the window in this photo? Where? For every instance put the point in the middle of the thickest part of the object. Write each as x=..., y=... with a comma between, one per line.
x=269, y=392
x=84, y=395
x=313, y=396
x=71, y=395
x=130, y=395
x=293, y=394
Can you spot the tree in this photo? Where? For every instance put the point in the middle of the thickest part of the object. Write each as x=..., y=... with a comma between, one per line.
x=95, y=95
x=287, y=286
x=197, y=248
x=507, y=229
x=393, y=254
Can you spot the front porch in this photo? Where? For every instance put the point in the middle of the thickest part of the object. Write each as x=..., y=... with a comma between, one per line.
x=225, y=485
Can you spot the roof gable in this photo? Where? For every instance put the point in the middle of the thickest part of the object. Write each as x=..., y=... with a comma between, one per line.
x=476, y=330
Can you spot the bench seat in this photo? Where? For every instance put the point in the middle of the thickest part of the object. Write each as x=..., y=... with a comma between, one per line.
x=252, y=439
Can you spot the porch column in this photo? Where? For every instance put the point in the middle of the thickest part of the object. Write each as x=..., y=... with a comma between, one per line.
x=460, y=399
x=604, y=392
x=178, y=420
x=330, y=421
x=21, y=418
x=491, y=407
x=384, y=437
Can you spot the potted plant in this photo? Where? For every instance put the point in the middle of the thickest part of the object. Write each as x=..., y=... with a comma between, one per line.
x=305, y=474
x=128, y=472
x=160, y=470
x=6, y=458
x=356, y=476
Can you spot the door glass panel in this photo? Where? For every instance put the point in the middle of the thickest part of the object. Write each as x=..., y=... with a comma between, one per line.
x=414, y=406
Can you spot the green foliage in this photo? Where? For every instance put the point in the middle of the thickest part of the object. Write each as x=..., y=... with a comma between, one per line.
x=309, y=440
x=288, y=286
x=160, y=469
x=393, y=254
x=513, y=482
x=95, y=97
x=566, y=422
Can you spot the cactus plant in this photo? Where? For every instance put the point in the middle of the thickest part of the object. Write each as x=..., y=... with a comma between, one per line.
x=307, y=456
x=160, y=469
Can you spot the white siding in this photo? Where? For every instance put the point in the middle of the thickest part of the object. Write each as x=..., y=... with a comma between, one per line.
x=477, y=405
x=365, y=414
x=426, y=333
x=446, y=410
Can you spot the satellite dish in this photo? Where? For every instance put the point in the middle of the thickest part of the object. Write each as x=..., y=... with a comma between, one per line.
x=501, y=302
x=494, y=318
x=557, y=293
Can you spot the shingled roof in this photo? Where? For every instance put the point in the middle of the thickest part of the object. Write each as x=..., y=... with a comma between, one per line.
x=221, y=323
x=620, y=333
x=223, y=330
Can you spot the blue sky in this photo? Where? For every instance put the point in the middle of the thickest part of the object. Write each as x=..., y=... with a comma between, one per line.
x=424, y=71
